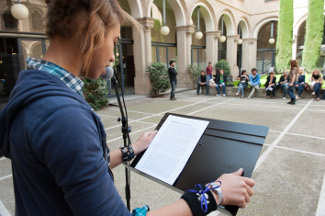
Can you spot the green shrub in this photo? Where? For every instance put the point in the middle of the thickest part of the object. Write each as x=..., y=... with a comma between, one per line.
x=95, y=92
x=314, y=34
x=159, y=78
x=194, y=72
x=155, y=34
x=284, y=37
x=224, y=65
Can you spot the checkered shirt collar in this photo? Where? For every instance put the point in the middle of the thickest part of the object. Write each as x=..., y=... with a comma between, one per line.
x=69, y=79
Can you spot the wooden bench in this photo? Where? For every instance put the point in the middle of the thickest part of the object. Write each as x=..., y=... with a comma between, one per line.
x=260, y=93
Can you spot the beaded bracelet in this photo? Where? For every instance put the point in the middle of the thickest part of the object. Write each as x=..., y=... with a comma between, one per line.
x=201, y=200
x=127, y=153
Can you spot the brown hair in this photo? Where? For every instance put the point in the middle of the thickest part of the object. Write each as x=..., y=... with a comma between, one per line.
x=100, y=15
x=293, y=64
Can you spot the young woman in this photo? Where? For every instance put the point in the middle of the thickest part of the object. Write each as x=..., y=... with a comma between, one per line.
x=243, y=83
x=284, y=83
x=209, y=71
x=300, y=85
x=56, y=142
x=316, y=80
x=293, y=78
x=270, y=85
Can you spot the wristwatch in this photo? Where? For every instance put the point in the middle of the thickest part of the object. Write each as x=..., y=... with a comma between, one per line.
x=217, y=190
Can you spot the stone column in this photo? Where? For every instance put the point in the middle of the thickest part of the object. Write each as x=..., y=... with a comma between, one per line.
x=142, y=55
x=184, y=42
x=216, y=47
x=212, y=46
x=232, y=54
x=294, y=46
x=249, y=54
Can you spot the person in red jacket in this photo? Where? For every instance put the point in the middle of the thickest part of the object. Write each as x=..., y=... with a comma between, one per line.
x=209, y=70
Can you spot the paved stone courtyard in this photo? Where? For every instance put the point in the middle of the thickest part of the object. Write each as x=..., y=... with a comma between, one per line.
x=289, y=173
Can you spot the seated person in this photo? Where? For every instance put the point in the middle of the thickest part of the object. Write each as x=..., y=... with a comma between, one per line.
x=316, y=80
x=254, y=81
x=300, y=85
x=324, y=90
x=284, y=84
x=203, y=82
x=243, y=83
x=221, y=82
x=270, y=85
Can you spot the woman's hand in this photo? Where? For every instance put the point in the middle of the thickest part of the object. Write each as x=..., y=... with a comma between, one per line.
x=143, y=142
x=236, y=190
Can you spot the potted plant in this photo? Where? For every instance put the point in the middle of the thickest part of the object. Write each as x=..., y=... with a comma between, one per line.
x=159, y=79
x=194, y=72
x=95, y=92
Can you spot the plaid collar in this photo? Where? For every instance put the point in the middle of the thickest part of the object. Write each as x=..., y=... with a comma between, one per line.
x=69, y=79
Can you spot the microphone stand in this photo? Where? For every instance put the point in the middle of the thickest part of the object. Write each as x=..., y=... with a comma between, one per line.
x=125, y=131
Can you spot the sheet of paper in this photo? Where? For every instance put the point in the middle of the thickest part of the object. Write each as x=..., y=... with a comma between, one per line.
x=171, y=148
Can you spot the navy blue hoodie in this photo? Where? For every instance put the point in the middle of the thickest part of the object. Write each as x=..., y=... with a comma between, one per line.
x=56, y=143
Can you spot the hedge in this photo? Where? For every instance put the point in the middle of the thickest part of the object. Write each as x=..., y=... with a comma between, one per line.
x=284, y=37
x=314, y=34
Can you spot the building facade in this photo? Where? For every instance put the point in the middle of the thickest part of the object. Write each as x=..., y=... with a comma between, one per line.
x=247, y=24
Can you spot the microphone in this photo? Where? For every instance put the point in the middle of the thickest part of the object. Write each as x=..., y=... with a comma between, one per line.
x=109, y=73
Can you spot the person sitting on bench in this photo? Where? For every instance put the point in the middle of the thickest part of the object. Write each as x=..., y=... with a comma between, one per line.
x=300, y=85
x=203, y=82
x=221, y=80
x=284, y=83
x=270, y=85
x=254, y=81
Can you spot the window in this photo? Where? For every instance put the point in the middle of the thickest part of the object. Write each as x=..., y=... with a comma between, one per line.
x=37, y=23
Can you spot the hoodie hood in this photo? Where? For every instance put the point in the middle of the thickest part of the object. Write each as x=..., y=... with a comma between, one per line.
x=31, y=86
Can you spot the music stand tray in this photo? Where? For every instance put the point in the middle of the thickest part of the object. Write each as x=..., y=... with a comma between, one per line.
x=223, y=148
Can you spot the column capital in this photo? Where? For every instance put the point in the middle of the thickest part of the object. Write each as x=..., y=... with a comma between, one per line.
x=216, y=34
x=189, y=29
x=233, y=37
x=250, y=40
x=146, y=22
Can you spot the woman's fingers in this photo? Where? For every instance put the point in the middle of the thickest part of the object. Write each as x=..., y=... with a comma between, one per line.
x=250, y=191
x=250, y=182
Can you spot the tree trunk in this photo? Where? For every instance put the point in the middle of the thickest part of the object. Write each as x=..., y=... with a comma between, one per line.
x=314, y=34
x=284, y=37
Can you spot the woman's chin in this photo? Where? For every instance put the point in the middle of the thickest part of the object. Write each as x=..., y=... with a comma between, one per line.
x=93, y=76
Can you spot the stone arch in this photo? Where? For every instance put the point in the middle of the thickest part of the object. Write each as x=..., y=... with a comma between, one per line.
x=136, y=9
x=297, y=25
x=36, y=18
x=244, y=27
x=24, y=50
x=207, y=13
x=177, y=9
x=262, y=23
x=229, y=20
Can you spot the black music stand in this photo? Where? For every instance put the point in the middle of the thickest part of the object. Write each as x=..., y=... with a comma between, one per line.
x=223, y=148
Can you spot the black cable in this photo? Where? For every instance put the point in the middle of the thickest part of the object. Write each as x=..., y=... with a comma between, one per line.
x=125, y=131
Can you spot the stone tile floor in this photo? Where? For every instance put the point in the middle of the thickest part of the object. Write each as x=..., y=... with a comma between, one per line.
x=289, y=173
